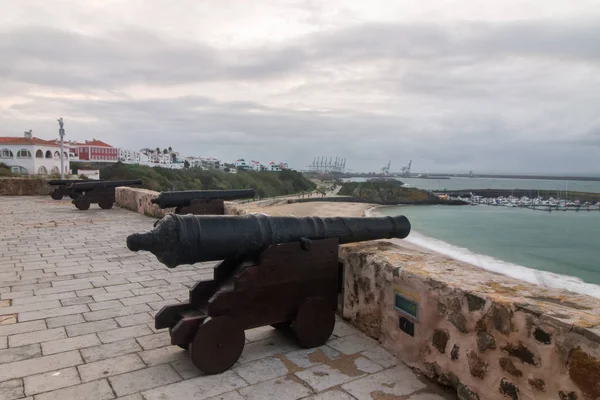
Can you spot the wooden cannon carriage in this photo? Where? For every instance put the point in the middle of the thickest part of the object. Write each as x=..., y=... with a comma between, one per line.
x=63, y=187
x=100, y=192
x=279, y=271
x=200, y=202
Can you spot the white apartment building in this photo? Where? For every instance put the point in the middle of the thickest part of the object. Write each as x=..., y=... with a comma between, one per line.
x=241, y=164
x=29, y=155
x=133, y=157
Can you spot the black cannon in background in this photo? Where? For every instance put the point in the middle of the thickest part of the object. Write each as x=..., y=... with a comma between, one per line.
x=101, y=192
x=278, y=271
x=200, y=202
x=62, y=187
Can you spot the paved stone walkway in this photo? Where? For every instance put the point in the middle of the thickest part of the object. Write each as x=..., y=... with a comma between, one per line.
x=76, y=322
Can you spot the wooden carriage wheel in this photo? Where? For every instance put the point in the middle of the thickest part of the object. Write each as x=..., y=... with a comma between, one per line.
x=82, y=203
x=314, y=322
x=106, y=205
x=218, y=344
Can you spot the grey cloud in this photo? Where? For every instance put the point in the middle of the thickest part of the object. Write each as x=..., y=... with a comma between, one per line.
x=511, y=96
x=65, y=59
x=230, y=130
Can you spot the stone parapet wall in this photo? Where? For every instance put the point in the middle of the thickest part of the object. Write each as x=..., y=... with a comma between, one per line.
x=138, y=200
x=488, y=336
x=24, y=187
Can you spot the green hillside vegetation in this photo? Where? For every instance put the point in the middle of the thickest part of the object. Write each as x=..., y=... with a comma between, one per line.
x=5, y=170
x=266, y=184
x=382, y=192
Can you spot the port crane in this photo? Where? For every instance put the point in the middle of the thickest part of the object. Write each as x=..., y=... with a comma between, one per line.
x=406, y=169
x=386, y=170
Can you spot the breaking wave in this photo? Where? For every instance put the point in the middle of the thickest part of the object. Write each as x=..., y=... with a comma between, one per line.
x=519, y=272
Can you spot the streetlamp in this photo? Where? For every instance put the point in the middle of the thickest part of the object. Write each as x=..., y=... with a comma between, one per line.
x=61, y=133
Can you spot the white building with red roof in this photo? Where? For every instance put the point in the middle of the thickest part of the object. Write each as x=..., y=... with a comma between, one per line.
x=32, y=156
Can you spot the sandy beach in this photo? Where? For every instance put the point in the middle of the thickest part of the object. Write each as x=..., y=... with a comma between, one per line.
x=315, y=209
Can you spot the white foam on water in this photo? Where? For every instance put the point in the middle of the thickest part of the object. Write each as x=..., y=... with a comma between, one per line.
x=519, y=272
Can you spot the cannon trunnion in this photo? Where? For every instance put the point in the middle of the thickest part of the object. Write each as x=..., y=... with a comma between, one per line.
x=100, y=192
x=278, y=271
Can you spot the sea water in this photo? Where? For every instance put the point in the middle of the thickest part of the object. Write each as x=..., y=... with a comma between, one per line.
x=462, y=183
x=557, y=249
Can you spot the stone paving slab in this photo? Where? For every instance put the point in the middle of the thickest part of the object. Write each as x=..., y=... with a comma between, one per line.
x=76, y=322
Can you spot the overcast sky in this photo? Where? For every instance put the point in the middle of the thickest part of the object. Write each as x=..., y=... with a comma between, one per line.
x=454, y=85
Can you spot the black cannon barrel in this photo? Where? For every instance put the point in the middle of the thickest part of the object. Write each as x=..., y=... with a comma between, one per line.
x=187, y=239
x=88, y=185
x=57, y=182
x=183, y=198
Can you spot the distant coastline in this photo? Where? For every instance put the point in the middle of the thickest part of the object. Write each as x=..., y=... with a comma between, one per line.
x=542, y=177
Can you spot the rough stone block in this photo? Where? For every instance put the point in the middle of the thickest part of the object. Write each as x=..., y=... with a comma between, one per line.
x=38, y=365
x=11, y=390
x=209, y=386
x=267, y=347
x=508, y=389
x=116, y=312
x=150, y=342
x=398, y=381
x=584, y=370
x=520, y=351
x=105, y=351
x=284, y=388
x=22, y=327
x=55, y=312
x=110, y=367
x=72, y=319
x=91, y=327
x=485, y=341
x=72, y=343
x=97, y=390
x=477, y=366
x=440, y=339
x=334, y=394
x=507, y=365
x=144, y=379
x=337, y=372
x=134, y=319
x=36, y=337
x=352, y=344
x=381, y=356
x=51, y=381
x=115, y=335
x=163, y=355
x=20, y=353
x=262, y=370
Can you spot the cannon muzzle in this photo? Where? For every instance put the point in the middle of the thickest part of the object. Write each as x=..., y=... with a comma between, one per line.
x=89, y=185
x=185, y=197
x=188, y=239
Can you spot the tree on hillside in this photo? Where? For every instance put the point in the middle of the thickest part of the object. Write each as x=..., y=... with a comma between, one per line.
x=186, y=163
x=158, y=150
x=165, y=151
x=170, y=149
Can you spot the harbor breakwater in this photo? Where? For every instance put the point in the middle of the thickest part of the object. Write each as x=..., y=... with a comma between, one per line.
x=486, y=335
